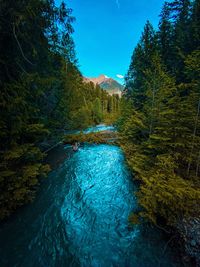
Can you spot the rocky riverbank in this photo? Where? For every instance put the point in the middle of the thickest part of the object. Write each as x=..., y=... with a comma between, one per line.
x=189, y=231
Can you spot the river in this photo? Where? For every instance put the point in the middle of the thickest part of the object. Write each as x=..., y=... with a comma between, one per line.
x=80, y=218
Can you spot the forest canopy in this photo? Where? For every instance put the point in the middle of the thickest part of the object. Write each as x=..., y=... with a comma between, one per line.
x=160, y=124
x=42, y=93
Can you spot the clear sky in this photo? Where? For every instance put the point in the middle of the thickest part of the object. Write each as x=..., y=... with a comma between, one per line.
x=106, y=32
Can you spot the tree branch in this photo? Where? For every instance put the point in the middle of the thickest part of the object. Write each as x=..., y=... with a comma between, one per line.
x=20, y=48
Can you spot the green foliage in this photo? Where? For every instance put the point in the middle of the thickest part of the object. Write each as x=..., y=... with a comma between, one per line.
x=165, y=193
x=159, y=124
x=97, y=111
x=82, y=118
x=36, y=46
x=134, y=219
x=42, y=93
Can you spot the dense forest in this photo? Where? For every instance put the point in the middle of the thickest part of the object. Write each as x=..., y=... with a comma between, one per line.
x=42, y=94
x=44, y=98
x=160, y=122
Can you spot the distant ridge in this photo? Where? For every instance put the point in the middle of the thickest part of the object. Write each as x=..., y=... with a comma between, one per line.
x=108, y=84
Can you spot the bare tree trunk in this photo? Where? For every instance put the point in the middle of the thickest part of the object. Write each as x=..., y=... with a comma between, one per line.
x=198, y=162
x=20, y=48
x=193, y=139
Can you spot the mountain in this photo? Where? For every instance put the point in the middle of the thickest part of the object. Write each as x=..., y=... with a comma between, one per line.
x=108, y=84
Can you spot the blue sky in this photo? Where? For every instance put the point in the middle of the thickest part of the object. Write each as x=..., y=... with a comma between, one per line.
x=106, y=32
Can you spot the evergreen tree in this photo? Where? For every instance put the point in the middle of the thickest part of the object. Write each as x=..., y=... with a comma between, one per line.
x=140, y=61
x=160, y=121
x=165, y=36
x=195, y=26
x=97, y=111
x=33, y=58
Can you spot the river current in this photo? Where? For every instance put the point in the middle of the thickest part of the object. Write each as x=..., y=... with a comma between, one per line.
x=80, y=218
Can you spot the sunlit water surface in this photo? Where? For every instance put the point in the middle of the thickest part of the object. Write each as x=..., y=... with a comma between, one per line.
x=80, y=218
x=93, y=129
x=99, y=128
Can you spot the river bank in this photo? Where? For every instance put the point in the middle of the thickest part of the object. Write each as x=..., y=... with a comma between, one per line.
x=80, y=217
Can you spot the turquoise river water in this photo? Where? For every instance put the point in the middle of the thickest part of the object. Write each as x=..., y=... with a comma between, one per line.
x=80, y=218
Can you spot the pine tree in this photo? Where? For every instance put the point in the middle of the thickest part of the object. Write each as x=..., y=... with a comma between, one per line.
x=165, y=37
x=195, y=26
x=160, y=121
x=33, y=42
x=140, y=61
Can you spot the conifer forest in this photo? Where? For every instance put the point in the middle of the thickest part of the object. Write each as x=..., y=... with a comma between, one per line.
x=130, y=176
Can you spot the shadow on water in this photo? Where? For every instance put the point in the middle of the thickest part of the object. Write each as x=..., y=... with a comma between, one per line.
x=80, y=218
